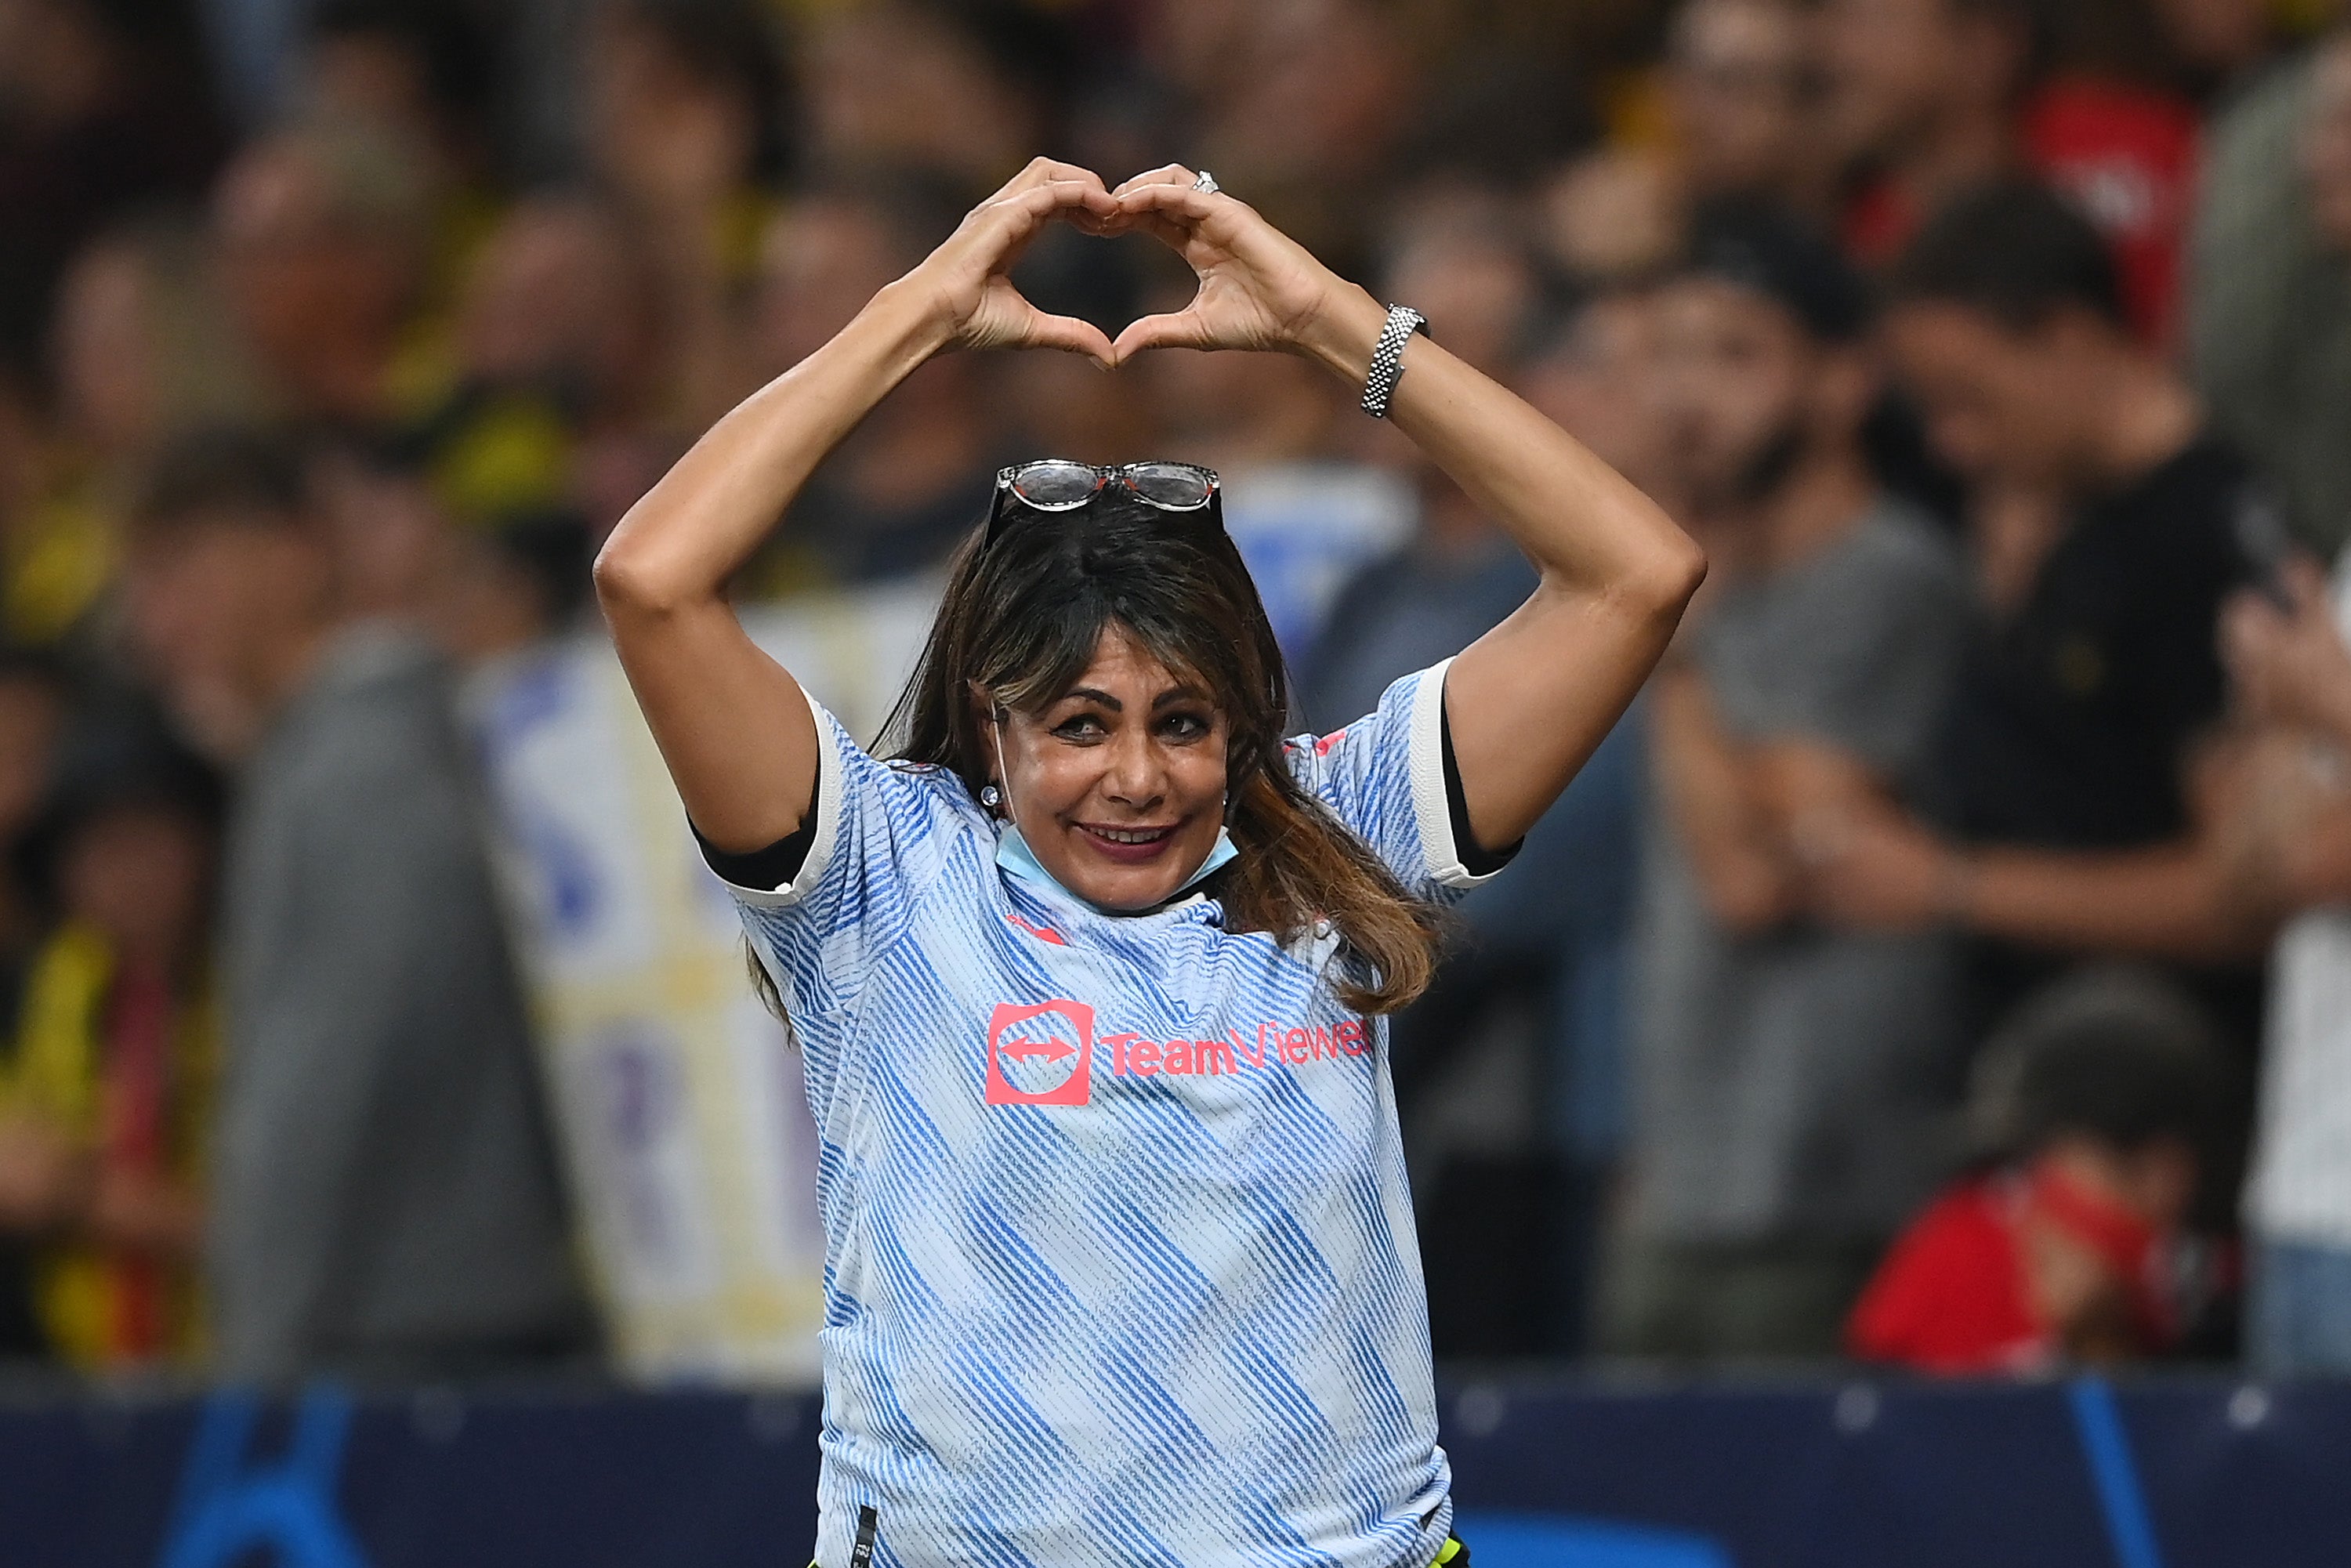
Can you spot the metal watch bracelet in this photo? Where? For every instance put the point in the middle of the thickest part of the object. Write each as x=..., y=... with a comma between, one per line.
x=1387, y=358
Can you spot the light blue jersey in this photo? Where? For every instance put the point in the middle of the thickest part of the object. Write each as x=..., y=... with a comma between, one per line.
x=1119, y=1264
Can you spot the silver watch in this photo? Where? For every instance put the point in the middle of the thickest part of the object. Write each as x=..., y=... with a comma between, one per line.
x=1387, y=358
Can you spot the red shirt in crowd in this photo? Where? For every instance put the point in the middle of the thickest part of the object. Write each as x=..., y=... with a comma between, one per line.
x=1952, y=1295
x=1955, y=1294
x=2127, y=155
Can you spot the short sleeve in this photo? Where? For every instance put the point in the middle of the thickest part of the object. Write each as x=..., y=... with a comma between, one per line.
x=1384, y=777
x=1856, y=648
x=881, y=833
x=1884, y=697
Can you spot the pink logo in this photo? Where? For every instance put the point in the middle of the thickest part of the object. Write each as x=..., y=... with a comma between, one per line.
x=1042, y=933
x=1040, y=1055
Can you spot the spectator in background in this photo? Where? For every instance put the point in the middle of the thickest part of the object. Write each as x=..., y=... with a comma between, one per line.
x=1743, y=85
x=2103, y=1106
x=1788, y=1073
x=34, y=701
x=424, y=69
x=684, y=122
x=104, y=1105
x=962, y=91
x=1927, y=98
x=1593, y=373
x=565, y=394
x=508, y=592
x=2294, y=676
x=384, y=1198
x=103, y=104
x=2268, y=328
x=2219, y=46
x=479, y=592
x=137, y=348
x=1611, y=217
x=2078, y=817
x=1920, y=103
x=896, y=497
x=424, y=72
x=325, y=234
x=1307, y=112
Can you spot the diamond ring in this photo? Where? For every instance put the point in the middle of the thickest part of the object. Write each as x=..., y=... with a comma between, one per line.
x=1206, y=183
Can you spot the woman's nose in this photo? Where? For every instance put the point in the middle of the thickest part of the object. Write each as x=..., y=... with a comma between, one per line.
x=1136, y=775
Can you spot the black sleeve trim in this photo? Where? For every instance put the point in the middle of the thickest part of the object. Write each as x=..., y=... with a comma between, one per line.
x=1476, y=859
x=775, y=866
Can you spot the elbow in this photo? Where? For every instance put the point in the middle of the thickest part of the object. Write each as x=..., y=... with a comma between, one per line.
x=1656, y=585
x=1666, y=584
x=626, y=584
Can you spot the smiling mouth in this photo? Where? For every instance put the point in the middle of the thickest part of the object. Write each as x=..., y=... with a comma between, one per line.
x=1126, y=835
x=1131, y=845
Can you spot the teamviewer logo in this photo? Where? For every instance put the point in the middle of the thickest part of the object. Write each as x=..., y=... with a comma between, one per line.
x=1042, y=1055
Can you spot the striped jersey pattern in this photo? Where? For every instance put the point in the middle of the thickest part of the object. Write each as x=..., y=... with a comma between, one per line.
x=1119, y=1264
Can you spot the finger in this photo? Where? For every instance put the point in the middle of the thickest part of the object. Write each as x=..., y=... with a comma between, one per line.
x=1043, y=171
x=1174, y=236
x=1171, y=225
x=1166, y=175
x=1101, y=216
x=1014, y=221
x=1040, y=201
x=1171, y=329
x=1068, y=333
x=1185, y=204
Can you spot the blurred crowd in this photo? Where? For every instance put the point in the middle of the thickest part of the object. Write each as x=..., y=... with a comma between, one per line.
x=1946, y=964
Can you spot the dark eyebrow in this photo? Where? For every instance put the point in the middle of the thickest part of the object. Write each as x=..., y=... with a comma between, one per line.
x=1101, y=698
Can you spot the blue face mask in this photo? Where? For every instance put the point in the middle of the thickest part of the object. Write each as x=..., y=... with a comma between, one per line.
x=1013, y=854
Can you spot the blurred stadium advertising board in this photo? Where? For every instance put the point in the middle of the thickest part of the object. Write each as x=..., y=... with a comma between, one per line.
x=2196, y=1473
x=679, y=1099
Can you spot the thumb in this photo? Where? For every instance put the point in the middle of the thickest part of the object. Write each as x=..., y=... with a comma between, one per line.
x=1068, y=333
x=1173, y=329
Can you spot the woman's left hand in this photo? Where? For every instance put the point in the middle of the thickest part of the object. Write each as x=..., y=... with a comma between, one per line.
x=1259, y=288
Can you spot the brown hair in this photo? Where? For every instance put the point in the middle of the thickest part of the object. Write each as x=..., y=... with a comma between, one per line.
x=1022, y=618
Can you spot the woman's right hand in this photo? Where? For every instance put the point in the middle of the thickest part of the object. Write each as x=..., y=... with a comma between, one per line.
x=1259, y=289
x=977, y=304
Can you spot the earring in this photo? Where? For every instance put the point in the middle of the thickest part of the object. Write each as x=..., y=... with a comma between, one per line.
x=990, y=795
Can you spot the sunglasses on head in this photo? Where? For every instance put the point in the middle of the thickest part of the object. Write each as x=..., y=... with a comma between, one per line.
x=1059, y=484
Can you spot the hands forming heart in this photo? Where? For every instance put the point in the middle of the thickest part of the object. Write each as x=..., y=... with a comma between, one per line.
x=1259, y=288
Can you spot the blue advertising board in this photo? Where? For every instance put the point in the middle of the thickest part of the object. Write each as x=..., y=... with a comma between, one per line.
x=2201, y=1473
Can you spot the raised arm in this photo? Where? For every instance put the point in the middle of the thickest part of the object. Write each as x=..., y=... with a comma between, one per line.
x=732, y=726
x=1530, y=701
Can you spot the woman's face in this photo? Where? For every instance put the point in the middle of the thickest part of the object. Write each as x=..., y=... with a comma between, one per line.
x=1118, y=784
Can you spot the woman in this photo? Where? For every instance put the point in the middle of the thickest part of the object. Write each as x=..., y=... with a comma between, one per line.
x=1120, y=1259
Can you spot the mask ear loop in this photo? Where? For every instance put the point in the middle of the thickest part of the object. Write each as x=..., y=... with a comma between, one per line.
x=1003, y=776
